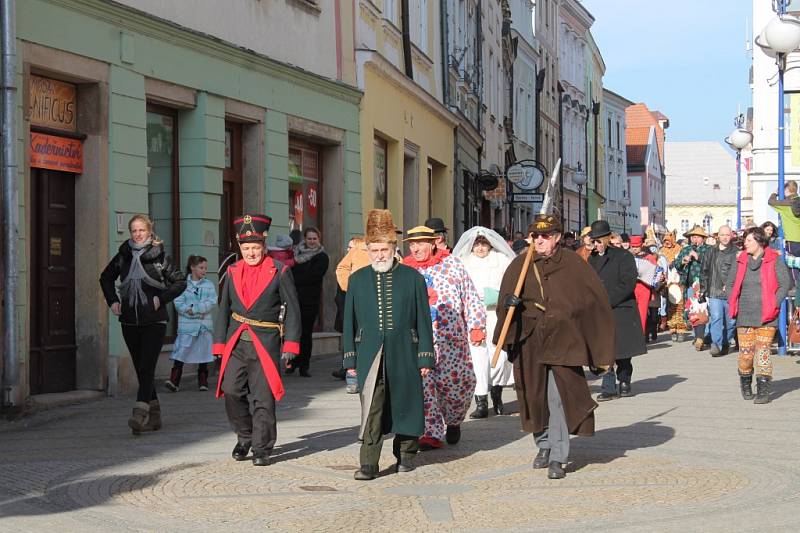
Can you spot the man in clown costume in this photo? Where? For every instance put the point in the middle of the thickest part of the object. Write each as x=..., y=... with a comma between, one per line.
x=258, y=323
x=459, y=320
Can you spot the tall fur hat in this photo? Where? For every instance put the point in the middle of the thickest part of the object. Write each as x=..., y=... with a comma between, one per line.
x=380, y=227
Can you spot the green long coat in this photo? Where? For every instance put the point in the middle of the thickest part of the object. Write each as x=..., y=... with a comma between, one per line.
x=387, y=320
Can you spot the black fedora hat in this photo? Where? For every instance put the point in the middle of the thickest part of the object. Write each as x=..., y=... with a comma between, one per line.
x=436, y=224
x=600, y=228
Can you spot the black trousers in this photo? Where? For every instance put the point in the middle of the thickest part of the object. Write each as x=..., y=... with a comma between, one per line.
x=624, y=370
x=652, y=322
x=308, y=315
x=403, y=445
x=249, y=402
x=144, y=343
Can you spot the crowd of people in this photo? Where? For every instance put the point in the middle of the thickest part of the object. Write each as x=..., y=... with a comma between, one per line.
x=425, y=333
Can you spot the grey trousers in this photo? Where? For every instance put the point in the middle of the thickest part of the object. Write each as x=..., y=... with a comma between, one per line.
x=555, y=436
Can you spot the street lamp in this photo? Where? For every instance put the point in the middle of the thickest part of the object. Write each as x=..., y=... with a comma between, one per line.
x=738, y=140
x=579, y=179
x=625, y=202
x=780, y=37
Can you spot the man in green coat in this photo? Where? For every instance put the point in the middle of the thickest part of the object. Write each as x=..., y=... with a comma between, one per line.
x=388, y=345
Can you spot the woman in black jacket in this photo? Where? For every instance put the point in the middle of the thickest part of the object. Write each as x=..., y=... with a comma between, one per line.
x=148, y=282
x=311, y=264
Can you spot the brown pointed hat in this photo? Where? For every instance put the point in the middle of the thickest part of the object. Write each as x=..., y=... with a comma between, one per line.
x=380, y=227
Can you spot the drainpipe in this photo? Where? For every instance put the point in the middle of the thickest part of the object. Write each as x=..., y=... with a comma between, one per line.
x=586, y=157
x=406, y=21
x=540, y=76
x=560, y=90
x=445, y=54
x=597, y=177
x=8, y=37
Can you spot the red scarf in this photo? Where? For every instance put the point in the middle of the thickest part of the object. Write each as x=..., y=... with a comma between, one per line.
x=252, y=281
x=769, y=285
x=429, y=262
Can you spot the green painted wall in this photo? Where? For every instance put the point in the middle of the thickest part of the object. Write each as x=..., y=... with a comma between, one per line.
x=135, y=47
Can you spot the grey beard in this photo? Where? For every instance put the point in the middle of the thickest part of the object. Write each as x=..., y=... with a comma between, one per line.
x=382, y=266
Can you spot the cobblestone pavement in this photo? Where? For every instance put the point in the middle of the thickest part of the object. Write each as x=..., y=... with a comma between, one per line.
x=686, y=453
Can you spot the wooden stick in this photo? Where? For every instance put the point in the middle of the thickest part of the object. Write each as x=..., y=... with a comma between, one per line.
x=510, y=313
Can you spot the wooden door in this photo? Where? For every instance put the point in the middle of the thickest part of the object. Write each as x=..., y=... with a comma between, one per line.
x=232, y=190
x=52, y=321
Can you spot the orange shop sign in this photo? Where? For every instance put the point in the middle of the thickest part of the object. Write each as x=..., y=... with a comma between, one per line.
x=56, y=153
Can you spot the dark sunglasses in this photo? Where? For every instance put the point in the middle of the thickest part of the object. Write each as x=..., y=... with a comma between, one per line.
x=542, y=235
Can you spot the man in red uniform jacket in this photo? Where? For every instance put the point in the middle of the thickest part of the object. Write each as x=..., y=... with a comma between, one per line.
x=258, y=319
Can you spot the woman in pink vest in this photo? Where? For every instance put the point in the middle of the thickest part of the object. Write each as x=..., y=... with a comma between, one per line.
x=757, y=286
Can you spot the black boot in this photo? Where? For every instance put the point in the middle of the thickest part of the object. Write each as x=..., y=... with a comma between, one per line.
x=747, y=386
x=481, y=407
x=762, y=389
x=366, y=473
x=497, y=399
x=453, y=434
x=174, y=381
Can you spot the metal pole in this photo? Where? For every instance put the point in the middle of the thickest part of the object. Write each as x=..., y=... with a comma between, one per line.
x=781, y=156
x=8, y=36
x=738, y=190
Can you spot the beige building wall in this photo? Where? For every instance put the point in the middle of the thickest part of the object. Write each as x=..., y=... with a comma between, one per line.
x=684, y=217
x=302, y=33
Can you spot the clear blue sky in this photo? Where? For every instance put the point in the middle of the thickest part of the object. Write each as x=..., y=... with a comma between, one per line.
x=685, y=58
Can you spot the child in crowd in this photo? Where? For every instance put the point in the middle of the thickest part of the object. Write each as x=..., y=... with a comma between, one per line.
x=195, y=325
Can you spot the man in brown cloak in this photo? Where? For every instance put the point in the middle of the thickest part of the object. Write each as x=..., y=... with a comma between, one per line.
x=562, y=322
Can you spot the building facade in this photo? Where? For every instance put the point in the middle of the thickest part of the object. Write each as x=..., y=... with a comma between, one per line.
x=616, y=165
x=701, y=186
x=763, y=175
x=645, y=139
x=575, y=109
x=407, y=132
x=156, y=110
x=548, y=133
x=523, y=90
x=597, y=195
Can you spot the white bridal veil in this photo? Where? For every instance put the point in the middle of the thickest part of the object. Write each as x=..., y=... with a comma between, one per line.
x=464, y=246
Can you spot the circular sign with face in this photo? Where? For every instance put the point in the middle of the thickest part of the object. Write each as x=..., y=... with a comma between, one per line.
x=527, y=177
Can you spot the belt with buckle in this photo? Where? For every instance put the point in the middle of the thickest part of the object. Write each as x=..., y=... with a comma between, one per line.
x=249, y=321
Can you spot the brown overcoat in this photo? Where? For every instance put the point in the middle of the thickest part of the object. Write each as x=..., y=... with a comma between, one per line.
x=576, y=329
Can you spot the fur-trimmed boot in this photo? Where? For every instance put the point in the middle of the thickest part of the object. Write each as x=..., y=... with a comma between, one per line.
x=139, y=417
x=154, y=422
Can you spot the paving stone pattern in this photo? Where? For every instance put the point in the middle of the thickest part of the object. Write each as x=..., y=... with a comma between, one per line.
x=686, y=453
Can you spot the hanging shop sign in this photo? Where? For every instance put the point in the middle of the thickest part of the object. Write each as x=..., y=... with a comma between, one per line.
x=312, y=197
x=527, y=175
x=52, y=103
x=56, y=153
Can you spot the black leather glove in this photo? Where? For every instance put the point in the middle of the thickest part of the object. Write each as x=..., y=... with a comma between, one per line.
x=512, y=301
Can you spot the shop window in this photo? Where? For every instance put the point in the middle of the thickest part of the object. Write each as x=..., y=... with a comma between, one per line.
x=379, y=175
x=163, y=200
x=304, y=185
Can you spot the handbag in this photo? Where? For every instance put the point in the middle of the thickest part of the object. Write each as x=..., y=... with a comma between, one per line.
x=794, y=328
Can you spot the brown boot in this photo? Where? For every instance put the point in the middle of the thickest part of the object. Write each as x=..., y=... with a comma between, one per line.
x=139, y=417
x=154, y=422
